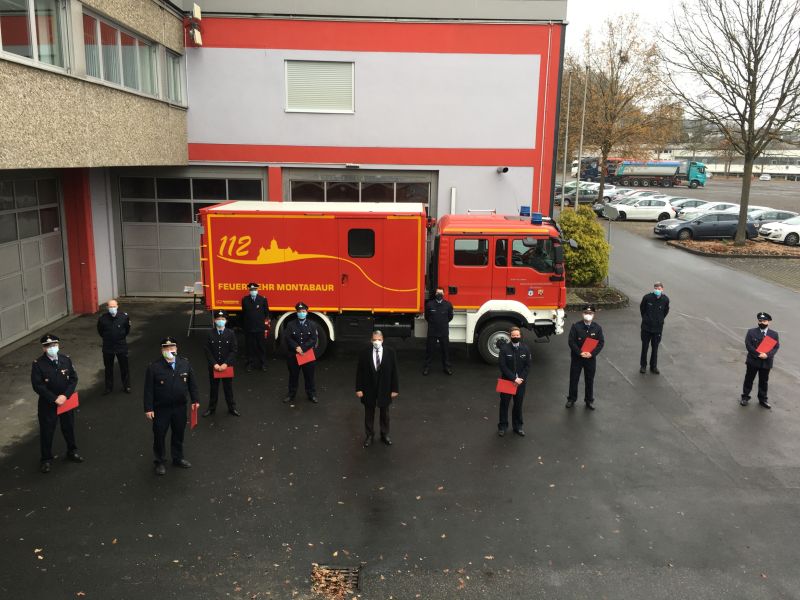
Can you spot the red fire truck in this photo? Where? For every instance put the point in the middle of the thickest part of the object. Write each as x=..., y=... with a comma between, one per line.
x=365, y=266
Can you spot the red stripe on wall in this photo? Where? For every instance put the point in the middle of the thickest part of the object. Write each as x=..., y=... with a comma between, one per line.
x=80, y=240
x=274, y=184
x=370, y=36
x=358, y=155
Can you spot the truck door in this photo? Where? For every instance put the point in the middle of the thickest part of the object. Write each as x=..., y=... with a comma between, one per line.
x=361, y=264
x=532, y=265
x=500, y=271
x=470, y=272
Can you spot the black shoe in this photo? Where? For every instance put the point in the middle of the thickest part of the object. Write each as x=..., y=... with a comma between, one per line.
x=107, y=392
x=45, y=468
x=589, y=406
x=448, y=370
x=368, y=441
x=426, y=371
x=764, y=403
x=313, y=399
x=249, y=368
x=234, y=412
x=264, y=368
x=642, y=370
x=75, y=457
x=161, y=469
x=127, y=390
x=386, y=440
x=182, y=463
x=570, y=403
x=744, y=401
x=288, y=400
x=501, y=432
x=208, y=412
x=519, y=432
x=655, y=371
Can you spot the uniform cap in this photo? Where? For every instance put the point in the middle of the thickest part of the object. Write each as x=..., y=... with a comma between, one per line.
x=48, y=339
x=301, y=306
x=221, y=313
x=252, y=286
x=169, y=341
x=588, y=308
x=762, y=316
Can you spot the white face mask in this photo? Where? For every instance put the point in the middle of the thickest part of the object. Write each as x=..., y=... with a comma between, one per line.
x=112, y=310
x=169, y=355
x=588, y=317
x=52, y=351
x=377, y=344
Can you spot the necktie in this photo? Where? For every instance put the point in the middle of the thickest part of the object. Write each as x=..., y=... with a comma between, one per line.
x=377, y=359
x=172, y=364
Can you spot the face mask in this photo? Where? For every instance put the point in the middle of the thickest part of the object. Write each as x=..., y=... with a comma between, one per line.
x=657, y=293
x=112, y=312
x=301, y=314
x=439, y=296
x=377, y=344
x=588, y=318
x=52, y=351
x=168, y=355
x=763, y=325
x=220, y=323
x=253, y=294
x=515, y=340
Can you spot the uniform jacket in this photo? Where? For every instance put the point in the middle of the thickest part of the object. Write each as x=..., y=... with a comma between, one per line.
x=579, y=332
x=751, y=341
x=254, y=314
x=221, y=348
x=51, y=381
x=165, y=389
x=654, y=310
x=514, y=362
x=377, y=385
x=438, y=315
x=114, y=330
x=299, y=334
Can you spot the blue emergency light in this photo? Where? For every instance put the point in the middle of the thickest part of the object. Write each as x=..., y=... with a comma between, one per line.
x=536, y=218
x=524, y=211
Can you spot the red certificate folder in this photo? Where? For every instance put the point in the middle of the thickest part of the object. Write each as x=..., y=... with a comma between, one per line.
x=226, y=374
x=589, y=344
x=306, y=357
x=72, y=402
x=767, y=344
x=504, y=386
x=193, y=416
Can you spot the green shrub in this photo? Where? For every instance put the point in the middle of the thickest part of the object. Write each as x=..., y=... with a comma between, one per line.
x=588, y=265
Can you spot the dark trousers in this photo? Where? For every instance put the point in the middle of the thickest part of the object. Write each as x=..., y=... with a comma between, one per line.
x=430, y=347
x=763, y=383
x=588, y=366
x=166, y=418
x=256, y=349
x=122, y=359
x=294, y=376
x=369, y=420
x=516, y=411
x=651, y=339
x=227, y=387
x=47, y=429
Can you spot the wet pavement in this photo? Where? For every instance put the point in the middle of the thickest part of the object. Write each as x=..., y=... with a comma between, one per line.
x=668, y=490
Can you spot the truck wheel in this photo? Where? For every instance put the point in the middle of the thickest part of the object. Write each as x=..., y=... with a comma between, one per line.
x=626, y=182
x=693, y=184
x=667, y=183
x=492, y=333
x=635, y=182
x=663, y=217
x=322, y=339
x=792, y=239
x=645, y=183
x=685, y=234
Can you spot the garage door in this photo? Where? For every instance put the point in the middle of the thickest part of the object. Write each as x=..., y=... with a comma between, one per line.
x=33, y=289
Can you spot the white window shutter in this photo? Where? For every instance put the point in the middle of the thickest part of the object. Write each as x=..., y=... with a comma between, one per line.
x=319, y=86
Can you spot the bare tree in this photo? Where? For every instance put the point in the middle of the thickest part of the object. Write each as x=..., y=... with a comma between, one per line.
x=738, y=68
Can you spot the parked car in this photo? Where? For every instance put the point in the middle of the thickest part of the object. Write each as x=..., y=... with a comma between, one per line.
x=787, y=232
x=716, y=224
x=687, y=213
x=687, y=203
x=645, y=209
x=765, y=177
x=769, y=215
x=750, y=209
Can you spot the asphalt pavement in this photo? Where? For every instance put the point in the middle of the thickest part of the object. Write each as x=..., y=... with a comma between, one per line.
x=669, y=489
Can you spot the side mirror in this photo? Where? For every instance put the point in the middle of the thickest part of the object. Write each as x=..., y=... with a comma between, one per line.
x=573, y=244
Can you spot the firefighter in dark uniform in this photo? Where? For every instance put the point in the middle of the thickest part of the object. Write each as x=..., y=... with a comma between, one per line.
x=166, y=384
x=54, y=379
x=221, y=349
x=114, y=326
x=654, y=308
x=584, y=361
x=515, y=362
x=438, y=314
x=299, y=336
x=759, y=363
x=255, y=319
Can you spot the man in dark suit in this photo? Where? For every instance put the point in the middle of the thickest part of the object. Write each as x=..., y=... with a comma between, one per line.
x=255, y=320
x=582, y=361
x=167, y=382
x=759, y=363
x=654, y=308
x=54, y=379
x=438, y=314
x=114, y=326
x=299, y=336
x=515, y=362
x=377, y=384
x=221, y=348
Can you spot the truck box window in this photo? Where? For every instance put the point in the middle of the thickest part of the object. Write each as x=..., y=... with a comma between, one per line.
x=538, y=257
x=470, y=253
x=361, y=243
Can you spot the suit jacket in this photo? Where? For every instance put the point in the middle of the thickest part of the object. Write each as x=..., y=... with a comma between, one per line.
x=166, y=388
x=377, y=385
x=751, y=341
x=255, y=313
x=438, y=315
x=50, y=381
x=654, y=309
x=114, y=330
x=514, y=362
x=579, y=332
x=221, y=349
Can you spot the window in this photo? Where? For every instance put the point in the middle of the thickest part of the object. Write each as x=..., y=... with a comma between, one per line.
x=319, y=86
x=137, y=187
x=342, y=191
x=91, y=46
x=538, y=256
x=173, y=189
x=308, y=191
x=110, y=55
x=244, y=189
x=470, y=253
x=501, y=253
x=174, y=212
x=33, y=30
x=175, y=78
x=8, y=228
x=361, y=243
x=139, y=212
x=208, y=189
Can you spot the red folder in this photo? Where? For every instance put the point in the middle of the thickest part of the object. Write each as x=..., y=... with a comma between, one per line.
x=193, y=416
x=589, y=344
x=72, y=402
x=767, y=344
x=227, y=373
x=504, y=386
x=306, y=357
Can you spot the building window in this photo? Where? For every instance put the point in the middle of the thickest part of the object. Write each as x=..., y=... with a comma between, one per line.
x=319, y=86
x=354, y=191
x=175, y=91
x=33, y=29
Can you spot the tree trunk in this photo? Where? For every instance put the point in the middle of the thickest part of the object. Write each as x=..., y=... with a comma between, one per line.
x=602, y=169
x=747, y=178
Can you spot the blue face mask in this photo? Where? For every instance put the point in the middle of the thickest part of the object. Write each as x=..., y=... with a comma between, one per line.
x=657, y=293
x=112, y=312
x=52, y=351
x=220, y=323
x=253, y=294
x=301, y=314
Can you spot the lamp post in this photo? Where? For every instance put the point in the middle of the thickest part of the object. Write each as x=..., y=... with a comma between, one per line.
x=566, y=142
x=583, y=120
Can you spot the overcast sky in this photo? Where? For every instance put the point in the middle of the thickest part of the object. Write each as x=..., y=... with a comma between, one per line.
x=585, y=14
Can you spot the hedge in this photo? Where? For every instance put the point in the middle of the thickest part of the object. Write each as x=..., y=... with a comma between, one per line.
x=588, y=265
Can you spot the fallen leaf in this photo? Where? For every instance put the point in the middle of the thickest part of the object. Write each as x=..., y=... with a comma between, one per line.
x=489, y=557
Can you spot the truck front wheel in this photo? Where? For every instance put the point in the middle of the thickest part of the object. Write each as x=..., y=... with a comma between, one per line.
x=493, y=333
x=322, y=339
x=693, y=184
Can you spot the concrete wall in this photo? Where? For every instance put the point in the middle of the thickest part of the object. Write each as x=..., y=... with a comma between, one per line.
x=147, y=17
x=481, y=188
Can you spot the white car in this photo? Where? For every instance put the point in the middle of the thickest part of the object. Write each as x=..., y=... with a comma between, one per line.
x=686, y=203
x=787, y=232
x=750, y=209
x=765, y=177
x=688, y=213
x=645, y=209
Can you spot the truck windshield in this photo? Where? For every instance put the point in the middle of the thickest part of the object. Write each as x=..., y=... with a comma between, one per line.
x=539, y=257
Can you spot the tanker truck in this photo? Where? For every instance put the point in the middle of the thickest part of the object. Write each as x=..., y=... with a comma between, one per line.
x=649, y=173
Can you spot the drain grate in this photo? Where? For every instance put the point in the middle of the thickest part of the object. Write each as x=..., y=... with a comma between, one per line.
x=334, y=583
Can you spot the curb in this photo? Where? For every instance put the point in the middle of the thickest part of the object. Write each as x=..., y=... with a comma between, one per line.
x=676, y=244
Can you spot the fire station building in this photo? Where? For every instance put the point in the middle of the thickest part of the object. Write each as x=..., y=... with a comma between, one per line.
x=119, y=119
